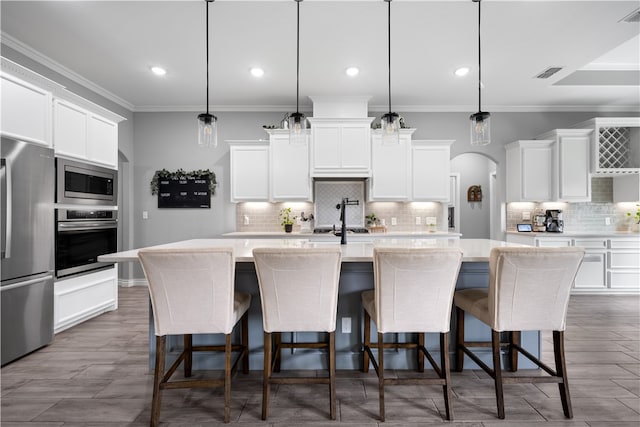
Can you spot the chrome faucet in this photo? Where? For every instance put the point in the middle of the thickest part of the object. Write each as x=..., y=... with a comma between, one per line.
x=342, y=206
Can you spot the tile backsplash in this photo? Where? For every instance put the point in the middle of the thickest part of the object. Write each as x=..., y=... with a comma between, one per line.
x=263, y=217
x=580, y=217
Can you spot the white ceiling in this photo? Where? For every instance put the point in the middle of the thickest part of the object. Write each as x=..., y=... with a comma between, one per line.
x=110, y=46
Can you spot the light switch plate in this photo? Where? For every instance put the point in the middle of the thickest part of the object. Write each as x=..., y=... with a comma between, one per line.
x=394, y=221
x=346, y=325
x=526, y=216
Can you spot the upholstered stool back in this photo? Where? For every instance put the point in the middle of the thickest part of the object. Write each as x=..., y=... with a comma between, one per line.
x=192, y=290
x=414, y=288
x=529, y=287
x=298, y=288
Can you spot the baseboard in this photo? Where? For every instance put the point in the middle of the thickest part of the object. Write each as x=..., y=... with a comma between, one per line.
x=128, y=283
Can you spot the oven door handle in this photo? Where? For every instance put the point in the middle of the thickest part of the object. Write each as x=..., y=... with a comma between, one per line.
x=65, y=226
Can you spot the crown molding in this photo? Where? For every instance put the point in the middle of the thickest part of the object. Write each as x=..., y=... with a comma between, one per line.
x=44, y=60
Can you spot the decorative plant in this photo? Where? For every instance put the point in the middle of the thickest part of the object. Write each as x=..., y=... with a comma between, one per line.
x=372, y=219
x=636, y=216
x=285, y=217
x=180, y=173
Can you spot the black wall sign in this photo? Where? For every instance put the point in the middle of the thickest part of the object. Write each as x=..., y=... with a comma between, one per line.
x=184, y=192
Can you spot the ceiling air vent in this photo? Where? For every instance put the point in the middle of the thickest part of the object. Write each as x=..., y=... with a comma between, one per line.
x=633, y=17
x=548, y=72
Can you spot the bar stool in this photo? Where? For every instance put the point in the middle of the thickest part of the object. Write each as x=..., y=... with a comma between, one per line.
x=298, y=293
x=192, y=292
x=528, y=290
x=413, y=291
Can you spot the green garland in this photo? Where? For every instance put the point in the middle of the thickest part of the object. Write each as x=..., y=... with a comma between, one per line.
x=180, y=173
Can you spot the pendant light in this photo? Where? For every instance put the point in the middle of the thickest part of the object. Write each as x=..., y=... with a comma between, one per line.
x=207, y=122
x=390, y=122
x=480, y=121
x=297, y=120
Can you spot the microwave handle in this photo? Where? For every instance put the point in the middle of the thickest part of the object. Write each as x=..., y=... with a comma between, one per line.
x=5, y=174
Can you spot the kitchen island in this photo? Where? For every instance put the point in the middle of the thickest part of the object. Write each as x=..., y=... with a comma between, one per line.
x=356, y=276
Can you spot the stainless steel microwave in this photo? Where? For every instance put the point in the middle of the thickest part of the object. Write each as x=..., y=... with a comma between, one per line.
x=85, y=184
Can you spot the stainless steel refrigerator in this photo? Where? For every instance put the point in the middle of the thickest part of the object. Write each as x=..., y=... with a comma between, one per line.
x=27, y=182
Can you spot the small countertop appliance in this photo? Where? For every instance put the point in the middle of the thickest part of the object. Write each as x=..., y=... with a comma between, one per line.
x=554, y=222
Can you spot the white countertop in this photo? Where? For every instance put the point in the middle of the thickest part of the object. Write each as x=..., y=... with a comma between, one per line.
x=577, y=234
x=329, y=236
x=475, y=250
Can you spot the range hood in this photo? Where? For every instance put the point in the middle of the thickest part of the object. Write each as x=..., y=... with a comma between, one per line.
x=340, y=137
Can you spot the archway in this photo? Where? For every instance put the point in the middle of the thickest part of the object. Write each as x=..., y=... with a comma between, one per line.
x=476, y=214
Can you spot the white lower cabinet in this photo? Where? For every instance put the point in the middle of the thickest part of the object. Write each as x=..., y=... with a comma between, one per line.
x=82, y=297
x=593, y=270
x=611, y=264
x=623, y=264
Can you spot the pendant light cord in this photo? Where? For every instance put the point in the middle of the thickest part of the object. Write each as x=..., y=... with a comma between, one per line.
x=298, y=55
x=207, y=47
x=479, y=62
x=389, y=47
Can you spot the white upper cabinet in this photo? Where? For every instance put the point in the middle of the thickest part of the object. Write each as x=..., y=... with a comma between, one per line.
x=26, y=111
x=341, y=147
x=290, y=178
x=615, y=145
x=430, y=170
x=70, y=129
x=390, y=168
x=572, y=162
x=103, y=141
x=81, y=134
x=530, y=172
x=249, y=170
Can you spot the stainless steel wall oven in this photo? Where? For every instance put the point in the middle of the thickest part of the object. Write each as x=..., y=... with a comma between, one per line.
x=85, y=184
x=81, y=236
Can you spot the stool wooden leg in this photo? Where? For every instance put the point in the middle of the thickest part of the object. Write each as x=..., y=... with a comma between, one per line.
x=161, y=344
x=332, y=375
x=227, y=378
x=381, y=374
x=514, y=338
x=367, y=342
x=497, y=372
x=278, y=351
x=188, y=354
x=561, y=369
x=420, y=354
x=459, y=339
x=267, y=375
x=446, y=374
x=245, y=342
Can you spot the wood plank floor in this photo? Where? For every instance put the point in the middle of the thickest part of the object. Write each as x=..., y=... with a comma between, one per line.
x=96, y=375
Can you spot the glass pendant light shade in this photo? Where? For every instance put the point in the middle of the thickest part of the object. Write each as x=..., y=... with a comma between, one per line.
x=390, y=125
x=207, y=130
x=297, y=128
x=480, y=128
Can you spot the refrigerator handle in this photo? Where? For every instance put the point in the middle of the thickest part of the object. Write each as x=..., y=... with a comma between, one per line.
x=8, y=208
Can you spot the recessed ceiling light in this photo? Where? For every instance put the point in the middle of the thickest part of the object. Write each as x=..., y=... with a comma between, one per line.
x=257, y=72
x=158, y=71
x=462, y=71
x=352, y=71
